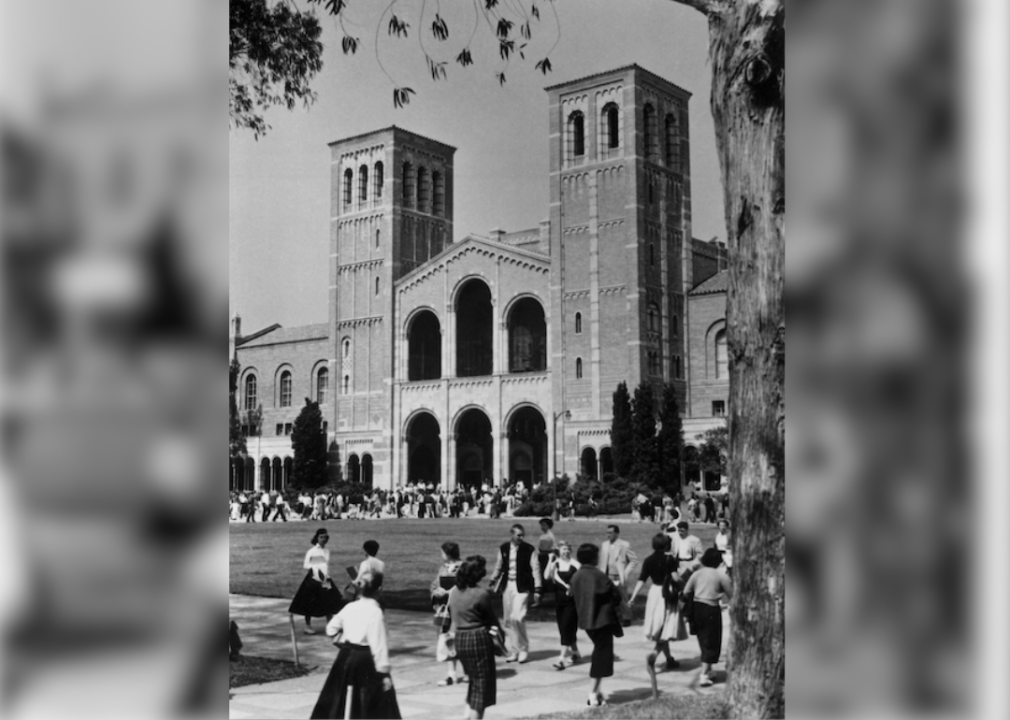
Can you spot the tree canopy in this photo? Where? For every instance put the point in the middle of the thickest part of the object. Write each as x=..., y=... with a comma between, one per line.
x=621, y=437
x=236, y=440
x=309, y=444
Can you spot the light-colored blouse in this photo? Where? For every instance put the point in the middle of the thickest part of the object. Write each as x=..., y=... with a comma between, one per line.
x=362, y=623
x=709, y=585
x=317, y=560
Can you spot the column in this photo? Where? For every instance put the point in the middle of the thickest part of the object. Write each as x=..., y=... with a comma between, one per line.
x=450, y=460
x=496, y=462
x=404, y=460
x=449, y=343
x=444, y=445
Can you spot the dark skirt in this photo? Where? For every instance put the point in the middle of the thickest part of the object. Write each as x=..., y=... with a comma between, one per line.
x=603, y=652
x=708, y=620
x=568, y=618
x=355, y=668
x=314, y=599
x=475, y=652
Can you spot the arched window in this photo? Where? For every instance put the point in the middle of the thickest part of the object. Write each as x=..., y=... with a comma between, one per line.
x=721, y=358
x=408, y=185
x=363, y=184
x=423, y=194
x=378, y=236
x=250, y=392
x=611, y=126
x=653, y=318
x=672, y=143
x=347, y=384
x=578, y=323
x=527, y=328
x=378, y=180
x=675, y=326
x=286, y=389
x=578, y=368
x=649, y=117
x=577, y=133
x=376, y=286
x=438, y=208
x=323, y=385
x=348, y=187
x=345, y=347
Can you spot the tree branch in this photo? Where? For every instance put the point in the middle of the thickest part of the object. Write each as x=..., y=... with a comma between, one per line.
x=705, y=7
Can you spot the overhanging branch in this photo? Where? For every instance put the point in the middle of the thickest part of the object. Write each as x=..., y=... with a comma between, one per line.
x=705, y=7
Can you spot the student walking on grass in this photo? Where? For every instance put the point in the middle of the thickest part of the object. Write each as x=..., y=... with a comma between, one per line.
x=445, y=650
x=560, y=571
x=473, y=616
x=516, y=575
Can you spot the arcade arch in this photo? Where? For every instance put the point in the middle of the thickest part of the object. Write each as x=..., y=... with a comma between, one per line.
x=424, y=347
x=474, y=330
x=424, y=449
x=527, y=448
x=527, y=332
x=474, y=448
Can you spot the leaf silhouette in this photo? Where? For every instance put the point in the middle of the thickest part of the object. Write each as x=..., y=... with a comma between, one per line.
x=535, y=11
x=505, y=48
x=488, y=4
x=544, y=66
x=349, y=44
x=525, y=30
x=504, y=27
x=439, y=29
x=398, y=27
x=464, y=58
x=501, y=78
x=401, y=96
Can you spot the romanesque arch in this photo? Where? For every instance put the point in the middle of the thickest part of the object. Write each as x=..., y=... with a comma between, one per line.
x=424, y=449
x=526, y=430
x=424, y=346
x=588, y=464
x=527, y=336
x=474, y=448
x=474, y=329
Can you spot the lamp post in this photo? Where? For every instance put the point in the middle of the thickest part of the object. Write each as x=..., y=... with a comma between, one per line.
x=554, y=480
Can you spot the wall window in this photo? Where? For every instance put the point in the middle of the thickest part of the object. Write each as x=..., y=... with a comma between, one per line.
x=721, y=359
x=649, y=117
x=578, y=323
x=678, y=366
x=347, y=384
x=577, y=134
x=438, y=205
x=718, y=408
x=672, y=143
x=323, y=385
x=286, y=389
x=378, y=180
x=250, y=392
x=423, y=191
x=348, y=187
x=378, y=236
x=610, y=122
x=675, y=326
x=653, y=317
x=287, y=428
x=578, y=368
x=280, y=428
x=345, y=347
x=408, y=185
x=376, y=286
x=363, y=184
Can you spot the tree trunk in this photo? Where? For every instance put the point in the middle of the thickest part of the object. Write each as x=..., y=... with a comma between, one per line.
x=747, y=47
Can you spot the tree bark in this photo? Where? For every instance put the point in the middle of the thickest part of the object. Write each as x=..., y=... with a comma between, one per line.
x=747, y=53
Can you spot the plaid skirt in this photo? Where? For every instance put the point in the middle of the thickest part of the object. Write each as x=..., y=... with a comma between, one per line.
x=476, y=654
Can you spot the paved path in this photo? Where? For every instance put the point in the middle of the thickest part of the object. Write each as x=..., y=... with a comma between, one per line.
x=534, y=688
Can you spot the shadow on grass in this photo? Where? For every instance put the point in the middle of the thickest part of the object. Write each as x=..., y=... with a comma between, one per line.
x=505, y=673
x=623, y=696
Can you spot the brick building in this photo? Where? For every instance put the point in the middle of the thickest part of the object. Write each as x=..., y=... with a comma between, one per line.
x=497, y=356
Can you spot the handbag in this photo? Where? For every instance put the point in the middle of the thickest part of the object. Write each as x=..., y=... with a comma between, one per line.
x=497, y=640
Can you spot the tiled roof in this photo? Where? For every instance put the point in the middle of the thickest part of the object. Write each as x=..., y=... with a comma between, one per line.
x=318, y=331
x=716, y=284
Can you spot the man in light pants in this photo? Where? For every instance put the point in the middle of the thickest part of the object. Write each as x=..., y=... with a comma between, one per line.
x=516, y=574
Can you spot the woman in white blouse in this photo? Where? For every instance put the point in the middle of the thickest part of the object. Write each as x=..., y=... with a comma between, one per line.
x=359, y=684
x=317, y=596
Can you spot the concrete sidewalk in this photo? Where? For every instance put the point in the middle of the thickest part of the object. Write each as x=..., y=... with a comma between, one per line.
x=533, y=688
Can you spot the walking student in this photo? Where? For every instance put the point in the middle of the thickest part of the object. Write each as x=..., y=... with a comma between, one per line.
x=618, y=561
x=704, y=591
x=516, y=575
x=596, y=600
x=445, y=650
x=316, y=596
x=661, y=618
x=560, y=571
x=472, y=616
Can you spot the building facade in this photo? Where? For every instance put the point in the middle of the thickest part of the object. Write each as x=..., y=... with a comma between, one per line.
x=497, y=356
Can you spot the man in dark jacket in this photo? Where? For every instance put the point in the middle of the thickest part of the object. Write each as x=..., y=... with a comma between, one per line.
x=517, y=573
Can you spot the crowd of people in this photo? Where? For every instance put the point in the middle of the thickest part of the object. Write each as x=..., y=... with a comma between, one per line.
x=688, y=587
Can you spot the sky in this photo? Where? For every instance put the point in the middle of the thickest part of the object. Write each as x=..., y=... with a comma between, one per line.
x=279, y=184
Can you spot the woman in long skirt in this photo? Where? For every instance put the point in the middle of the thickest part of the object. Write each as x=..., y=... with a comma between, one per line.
x=472, y=615
x=661, y=616
x=560, y=571
x=359, y=684
x=317, y=596
x=708, y=586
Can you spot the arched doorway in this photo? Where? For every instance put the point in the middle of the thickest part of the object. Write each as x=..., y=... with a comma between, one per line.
x=264, y=483
x=474, y=448
x=527, y=337
x=527, y=434
x=692, y=465
x=366, y=470
x=606, y=461
x=424, y=341
x=289, y=466
x=276, y=479
x=589, y=470
x=353, y=469
x=249, y=479
x=424, y=448
x=474, y=333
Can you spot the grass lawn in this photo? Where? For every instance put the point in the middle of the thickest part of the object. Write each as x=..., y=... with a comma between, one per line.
x=266, y=558
x=668, y=707
x=255, y=670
